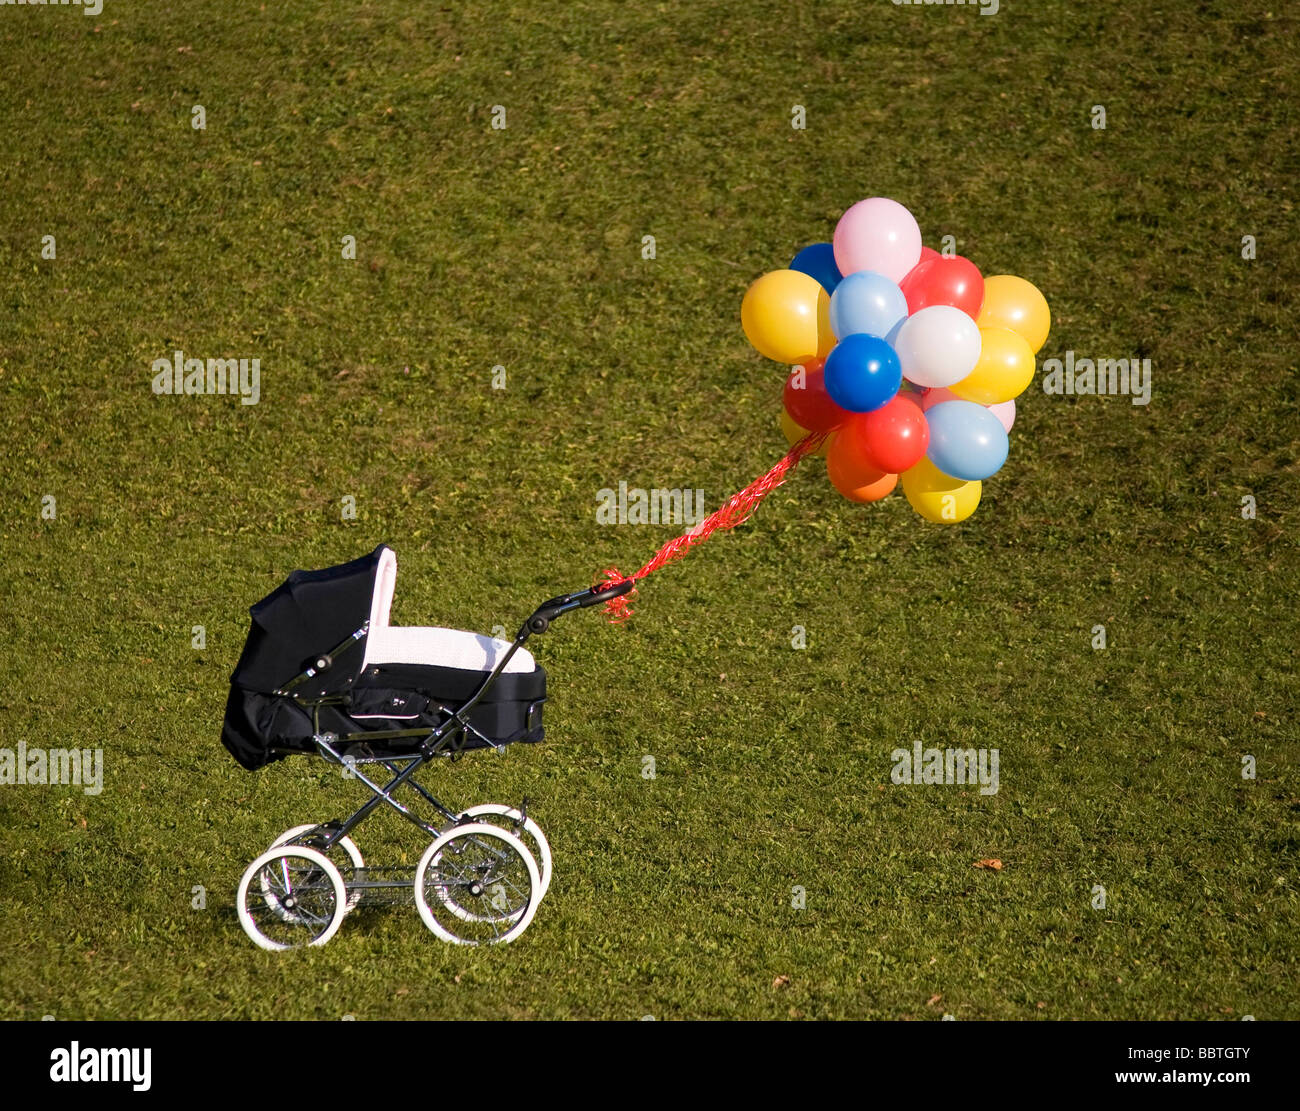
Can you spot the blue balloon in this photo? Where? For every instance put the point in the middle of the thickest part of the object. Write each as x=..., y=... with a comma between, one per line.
x=867, y=302
x=862, y=373
x=818, y=261
x=966, y=440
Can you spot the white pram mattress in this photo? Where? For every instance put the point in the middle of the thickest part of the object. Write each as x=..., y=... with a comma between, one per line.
x=430, y=646
x=434, y=647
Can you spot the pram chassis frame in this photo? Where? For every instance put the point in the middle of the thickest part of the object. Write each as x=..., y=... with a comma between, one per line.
x=438, y=741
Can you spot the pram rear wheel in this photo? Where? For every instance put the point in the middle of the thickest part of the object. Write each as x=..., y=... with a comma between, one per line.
x=344, y=853
x=290, y=896
x=477, y=884
x=516, y=823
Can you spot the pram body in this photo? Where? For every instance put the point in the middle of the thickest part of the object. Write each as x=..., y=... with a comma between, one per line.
x=324, y=672
x=377, y=680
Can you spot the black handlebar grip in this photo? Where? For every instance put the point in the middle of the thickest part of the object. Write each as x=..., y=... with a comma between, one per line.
x=603, y=592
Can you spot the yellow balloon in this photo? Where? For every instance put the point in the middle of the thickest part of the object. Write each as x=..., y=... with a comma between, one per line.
x=937, y=497
x=794, y=433
x=1005, y=368
x=1011, y=302
x=787, y=317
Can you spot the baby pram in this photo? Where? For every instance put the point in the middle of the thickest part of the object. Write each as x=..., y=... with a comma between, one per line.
x=324, y=673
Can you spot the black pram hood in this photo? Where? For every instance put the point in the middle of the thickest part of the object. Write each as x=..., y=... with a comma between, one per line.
x=311, y=612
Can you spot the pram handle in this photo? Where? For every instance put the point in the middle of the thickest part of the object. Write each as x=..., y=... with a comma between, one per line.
x=603, y=592
x=563, y=603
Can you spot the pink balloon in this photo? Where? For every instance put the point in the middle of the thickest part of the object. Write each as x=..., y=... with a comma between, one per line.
x=877, y=234
x=1005, y=411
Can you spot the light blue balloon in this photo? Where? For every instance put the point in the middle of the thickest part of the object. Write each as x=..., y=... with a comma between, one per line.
x=867, y=303
x=966, y=440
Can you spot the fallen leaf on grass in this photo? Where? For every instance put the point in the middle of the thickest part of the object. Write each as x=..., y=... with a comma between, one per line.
x=780, y=981
x=933, y=1000
x=991, y=865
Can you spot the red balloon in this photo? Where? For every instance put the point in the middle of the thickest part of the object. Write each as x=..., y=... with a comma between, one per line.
x=892, y=438
x=944, y=281
x=927, y=254
x=807, y=401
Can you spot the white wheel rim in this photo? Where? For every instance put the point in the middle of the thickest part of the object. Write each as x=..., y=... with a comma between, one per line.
x=280, y=852
x=543, y=847
x=487, y=831
x=345, y=843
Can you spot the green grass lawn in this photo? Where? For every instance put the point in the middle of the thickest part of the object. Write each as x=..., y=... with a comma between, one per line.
x=522, y=248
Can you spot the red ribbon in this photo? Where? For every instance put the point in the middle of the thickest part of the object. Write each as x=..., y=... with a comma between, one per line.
x=736, y=510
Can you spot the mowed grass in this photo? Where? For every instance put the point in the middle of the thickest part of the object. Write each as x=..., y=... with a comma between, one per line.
x=522, y=248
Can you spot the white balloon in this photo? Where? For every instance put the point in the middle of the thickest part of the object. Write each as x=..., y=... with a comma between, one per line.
x=938, y=346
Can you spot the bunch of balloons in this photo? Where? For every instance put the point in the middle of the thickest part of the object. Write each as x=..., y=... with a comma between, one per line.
x=910, y=360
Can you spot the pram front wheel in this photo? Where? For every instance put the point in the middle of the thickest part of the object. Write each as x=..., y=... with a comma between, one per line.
x=515, y=822
x=290, y=896
x=346, y=856
x=477, y=884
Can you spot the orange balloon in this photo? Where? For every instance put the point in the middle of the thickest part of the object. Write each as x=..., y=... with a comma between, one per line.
x=846, y=449
x=852, y=476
